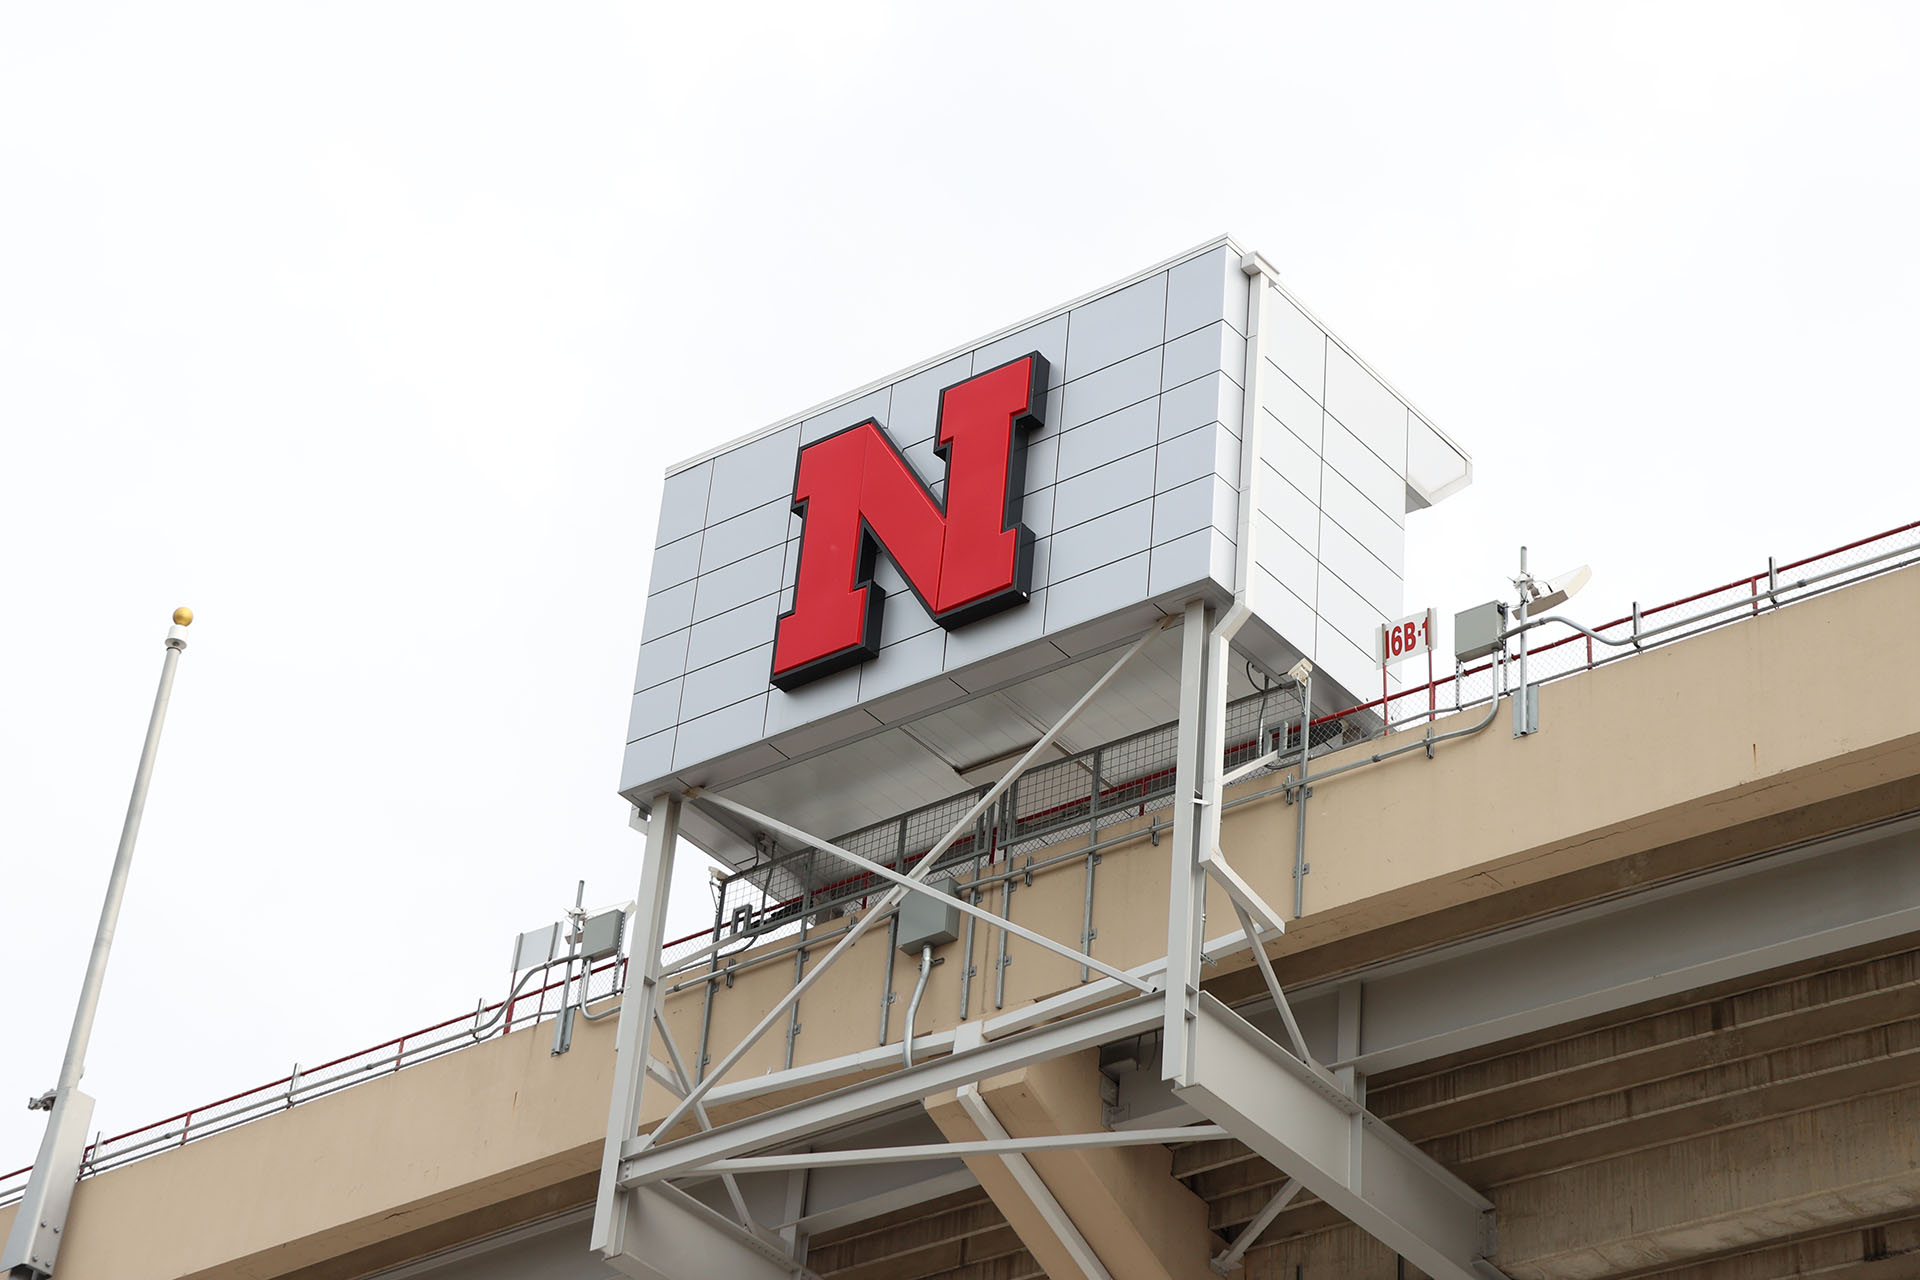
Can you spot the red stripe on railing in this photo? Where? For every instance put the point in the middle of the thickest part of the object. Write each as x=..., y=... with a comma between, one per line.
x=1380, y=704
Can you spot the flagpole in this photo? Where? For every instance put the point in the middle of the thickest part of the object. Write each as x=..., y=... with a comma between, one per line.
x=34, y=1241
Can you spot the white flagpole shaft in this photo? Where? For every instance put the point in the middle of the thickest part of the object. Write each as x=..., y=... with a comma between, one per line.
x=76, y=1059
x=34, y=1242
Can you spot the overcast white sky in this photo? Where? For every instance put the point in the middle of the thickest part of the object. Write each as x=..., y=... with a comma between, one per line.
x=368, y=331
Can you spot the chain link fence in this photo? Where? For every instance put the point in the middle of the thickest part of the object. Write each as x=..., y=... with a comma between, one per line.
x=1555, y=649
x=1052, y=803
x=1057, y=801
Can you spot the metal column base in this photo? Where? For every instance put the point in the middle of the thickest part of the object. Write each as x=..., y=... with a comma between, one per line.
x=1388, y=1187
x=34, y=1241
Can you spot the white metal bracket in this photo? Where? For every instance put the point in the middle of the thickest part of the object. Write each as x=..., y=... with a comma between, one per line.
x=1294, y=1118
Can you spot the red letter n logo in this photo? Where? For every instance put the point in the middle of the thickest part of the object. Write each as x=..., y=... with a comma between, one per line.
x=857, y=496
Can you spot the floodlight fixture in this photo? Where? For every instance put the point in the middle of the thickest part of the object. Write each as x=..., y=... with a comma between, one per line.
x=1549, y=593
x=1537, y=595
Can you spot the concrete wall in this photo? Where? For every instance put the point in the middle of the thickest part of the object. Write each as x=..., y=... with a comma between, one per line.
x=1695, y=754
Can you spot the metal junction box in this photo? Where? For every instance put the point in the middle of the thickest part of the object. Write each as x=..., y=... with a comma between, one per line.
x=1476, y=631
x=600, y=934
x=927, y=921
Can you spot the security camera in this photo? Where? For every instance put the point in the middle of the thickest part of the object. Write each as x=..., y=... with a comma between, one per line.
x=1300, y=671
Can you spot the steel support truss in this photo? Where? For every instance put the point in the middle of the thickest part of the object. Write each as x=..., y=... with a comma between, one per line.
x=1284, y=1105
x=1279, y=1101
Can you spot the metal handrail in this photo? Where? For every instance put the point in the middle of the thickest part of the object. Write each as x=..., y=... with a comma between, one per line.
x=1354, y=722
x=1367, y=720
x=306, y=1084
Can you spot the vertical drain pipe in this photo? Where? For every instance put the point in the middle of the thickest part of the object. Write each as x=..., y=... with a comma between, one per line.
x=1000, y=965
x=793, y=1011
x=1087, y=931
x=1086, y=916
x=713, y=975
x=1300, y=793
x=913, y=1005
x=886, y=1000
x=966, y=974
x=1260, y=277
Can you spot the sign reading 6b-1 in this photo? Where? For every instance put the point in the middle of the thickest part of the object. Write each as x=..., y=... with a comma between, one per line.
x=857, y=495
x=1407, y=638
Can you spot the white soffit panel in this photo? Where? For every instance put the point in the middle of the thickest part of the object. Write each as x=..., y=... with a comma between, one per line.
x=1142, y=387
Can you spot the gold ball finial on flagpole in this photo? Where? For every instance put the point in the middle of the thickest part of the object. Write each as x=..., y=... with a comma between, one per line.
x=183, y=617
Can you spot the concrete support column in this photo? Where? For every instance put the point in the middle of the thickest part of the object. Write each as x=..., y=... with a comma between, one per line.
x=1142, y=1222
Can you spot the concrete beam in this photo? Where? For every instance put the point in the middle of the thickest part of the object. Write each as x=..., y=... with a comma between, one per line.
x=1853, y=1161
x=1829, y=896
x=953, y=1232
x=668, y=1235
x=1807, y=1187
x=840, y=1197
x=1141, y=1222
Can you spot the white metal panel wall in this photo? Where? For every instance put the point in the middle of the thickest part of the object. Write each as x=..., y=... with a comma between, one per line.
x=1131, y=494
x=1331, y=542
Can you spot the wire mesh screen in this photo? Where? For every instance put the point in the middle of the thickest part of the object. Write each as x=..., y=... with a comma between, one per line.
x=1557, y=649
x=1058, y=800
x=1050, y=803
x=1069, y=797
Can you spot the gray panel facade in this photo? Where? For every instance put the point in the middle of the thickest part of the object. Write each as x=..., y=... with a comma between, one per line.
x=1131, y=494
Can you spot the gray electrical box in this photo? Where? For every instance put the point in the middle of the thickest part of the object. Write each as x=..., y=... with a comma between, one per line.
x=600, y=935
x=1476, y=631
x=927, y=921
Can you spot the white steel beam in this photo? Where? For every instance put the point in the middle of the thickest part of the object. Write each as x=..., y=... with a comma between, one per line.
x=1084, y=1259
x=912, y=885
x=961, y=1150
x=700, y=1113
x=1251, y=767
x=894, y=895
x=1274, y=990
x=1243, y=894
x=641, y=1164
x=635, y=1028
x=795, y=1236
x=1074, y=1000
x=1330, y=1144
x=1250, y=1234
x=666, y=1234
x=1186, y=882
x=841, y=1197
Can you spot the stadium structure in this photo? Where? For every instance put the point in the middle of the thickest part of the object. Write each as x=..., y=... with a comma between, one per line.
x=1102, y=903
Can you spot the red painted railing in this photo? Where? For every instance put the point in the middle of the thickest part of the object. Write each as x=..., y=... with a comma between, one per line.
x=251, y=1103
x=428, y=1042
